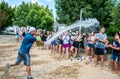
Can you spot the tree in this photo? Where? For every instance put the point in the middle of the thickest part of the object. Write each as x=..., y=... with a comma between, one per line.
x=2, y=19
x=29, y=14
x=115, y=24
x=68, y=11
x=102, y=10
x=6, y=14
x=116, y=15
x=20, y=14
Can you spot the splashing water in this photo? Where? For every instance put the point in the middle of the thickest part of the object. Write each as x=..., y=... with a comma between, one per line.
x=86, y=23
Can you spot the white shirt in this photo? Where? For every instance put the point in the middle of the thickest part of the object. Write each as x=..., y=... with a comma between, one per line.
x=65, y=39
x=92, y=39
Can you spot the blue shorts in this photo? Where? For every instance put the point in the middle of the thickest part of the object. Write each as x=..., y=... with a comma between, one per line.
x=91, y=45
x=54, y=42
x=17, y=35
x=25, y=57
x=85, y=43
x=115, y=57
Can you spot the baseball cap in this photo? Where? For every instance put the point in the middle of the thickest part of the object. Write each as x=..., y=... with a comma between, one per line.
x=32, y=29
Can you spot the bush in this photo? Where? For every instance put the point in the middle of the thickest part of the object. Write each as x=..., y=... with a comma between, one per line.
x=110, y=39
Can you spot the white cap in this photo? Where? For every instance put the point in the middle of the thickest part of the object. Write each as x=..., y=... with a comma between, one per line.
x=32, y=29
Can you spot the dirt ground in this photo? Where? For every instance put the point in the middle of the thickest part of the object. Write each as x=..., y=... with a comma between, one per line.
x=45, y=66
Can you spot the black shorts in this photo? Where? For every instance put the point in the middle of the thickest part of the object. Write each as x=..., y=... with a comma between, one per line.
x=76, y=44
x=60, y=42
x=99, y=51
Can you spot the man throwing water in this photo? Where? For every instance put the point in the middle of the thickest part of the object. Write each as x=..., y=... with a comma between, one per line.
x=23, y=52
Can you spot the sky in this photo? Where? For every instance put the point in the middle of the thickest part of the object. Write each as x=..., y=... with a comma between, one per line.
x=50, y=3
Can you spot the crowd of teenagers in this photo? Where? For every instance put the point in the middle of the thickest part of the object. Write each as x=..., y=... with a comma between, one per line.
x=68, y=44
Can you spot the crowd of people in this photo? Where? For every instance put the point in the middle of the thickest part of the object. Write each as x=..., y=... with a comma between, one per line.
x=68, y=44
x=65, y=44
x=95, y=45
x=20, y=34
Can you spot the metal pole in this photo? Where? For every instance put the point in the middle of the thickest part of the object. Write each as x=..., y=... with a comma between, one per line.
x=80, y=33
x=81, y=15
x=80, y=20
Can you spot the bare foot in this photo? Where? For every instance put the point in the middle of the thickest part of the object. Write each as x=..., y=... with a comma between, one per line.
x=101, y=68
x=95, y=65
x=50, y=54
x=118, y=74
x=113, y=72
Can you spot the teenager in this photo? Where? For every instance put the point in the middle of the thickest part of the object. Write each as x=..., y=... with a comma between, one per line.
x=115, y=57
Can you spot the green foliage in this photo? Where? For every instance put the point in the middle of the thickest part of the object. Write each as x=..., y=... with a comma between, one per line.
x=2, y=19
x=20, y=14
x=26, y=14
x=6, y=15
x=106, y=11
x=29, y=14
x=112, y=30
x=111, y=39
x=102, y=11
x=68, y=11
x=115, y=23
x=116, y=16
